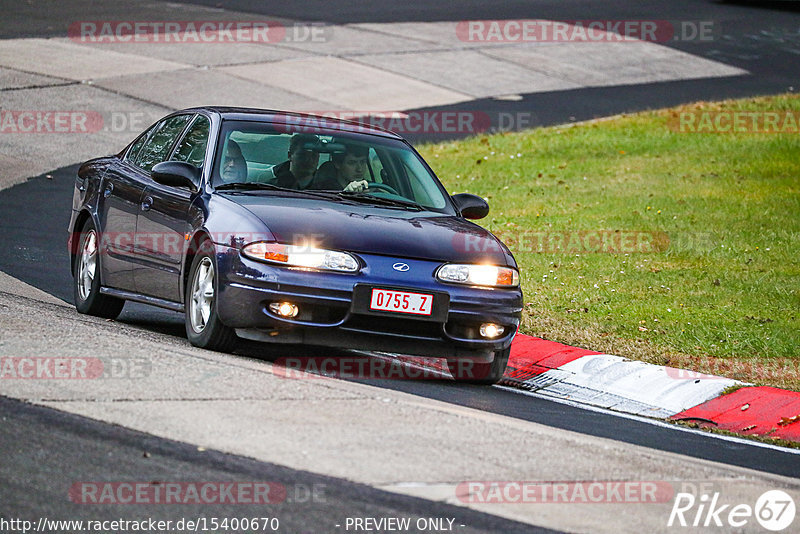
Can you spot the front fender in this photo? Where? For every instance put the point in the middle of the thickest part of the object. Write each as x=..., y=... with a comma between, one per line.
x=230, y=224
x=227, y=224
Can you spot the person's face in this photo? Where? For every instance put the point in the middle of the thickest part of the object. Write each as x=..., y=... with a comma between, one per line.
x=353, y=167
x=303, y=163
x=229, y=169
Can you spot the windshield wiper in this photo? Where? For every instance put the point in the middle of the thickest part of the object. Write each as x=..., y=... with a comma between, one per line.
x=380, y=201
x=249, y=186
x=364, y=198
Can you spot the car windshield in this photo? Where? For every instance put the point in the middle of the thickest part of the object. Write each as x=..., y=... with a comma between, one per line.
x=368, y=168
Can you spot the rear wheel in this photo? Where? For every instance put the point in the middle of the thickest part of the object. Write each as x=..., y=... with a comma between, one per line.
x=467, y=371
x=203, y=327
x=86, y=279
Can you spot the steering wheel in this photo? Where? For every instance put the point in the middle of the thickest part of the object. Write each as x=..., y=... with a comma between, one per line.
x=384, y=187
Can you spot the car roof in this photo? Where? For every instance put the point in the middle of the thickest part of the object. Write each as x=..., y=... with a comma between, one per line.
x=320, y=122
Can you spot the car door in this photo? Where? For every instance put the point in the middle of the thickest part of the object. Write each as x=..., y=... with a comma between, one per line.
x=118, y=207
x=164, y=219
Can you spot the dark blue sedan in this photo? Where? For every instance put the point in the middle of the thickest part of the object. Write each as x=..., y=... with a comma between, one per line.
x=291, y=228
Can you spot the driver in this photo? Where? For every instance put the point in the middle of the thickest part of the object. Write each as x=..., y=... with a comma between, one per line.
x=348, y=170
x=298, y=171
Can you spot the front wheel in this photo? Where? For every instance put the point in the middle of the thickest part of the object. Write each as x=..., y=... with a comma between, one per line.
x=467, y=371
x=203, y=327
x=86, y=278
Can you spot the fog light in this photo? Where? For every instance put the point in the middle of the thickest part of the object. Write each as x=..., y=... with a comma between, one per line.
x=491, y=330
x=284, y=309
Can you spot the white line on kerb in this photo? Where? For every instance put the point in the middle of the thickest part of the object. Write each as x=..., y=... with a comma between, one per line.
x=655, y=422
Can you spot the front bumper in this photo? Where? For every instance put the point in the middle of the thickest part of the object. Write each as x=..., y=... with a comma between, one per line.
x=328, y=316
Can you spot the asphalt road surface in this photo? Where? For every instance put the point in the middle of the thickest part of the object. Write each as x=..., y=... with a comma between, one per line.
x=760, y=37
x=45, y=452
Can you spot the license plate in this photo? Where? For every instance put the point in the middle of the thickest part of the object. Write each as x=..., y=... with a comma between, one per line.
x=401, y=302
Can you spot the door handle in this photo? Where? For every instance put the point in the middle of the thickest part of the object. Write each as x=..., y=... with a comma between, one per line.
x=107, y=191
x=147, y=203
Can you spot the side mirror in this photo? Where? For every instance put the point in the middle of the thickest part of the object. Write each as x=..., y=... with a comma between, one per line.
x=470, y=206
x=176, y=174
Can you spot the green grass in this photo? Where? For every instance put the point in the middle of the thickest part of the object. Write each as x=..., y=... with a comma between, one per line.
x=721, y=292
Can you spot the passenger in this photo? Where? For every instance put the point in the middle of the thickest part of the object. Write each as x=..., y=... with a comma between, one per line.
x=298, y=171
x=234, y=166
x=346, y=171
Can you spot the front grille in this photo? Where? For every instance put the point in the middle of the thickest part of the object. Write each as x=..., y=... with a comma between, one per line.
x=393, y=325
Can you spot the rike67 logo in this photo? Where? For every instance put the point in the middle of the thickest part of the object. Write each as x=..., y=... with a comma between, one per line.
x=774, y=510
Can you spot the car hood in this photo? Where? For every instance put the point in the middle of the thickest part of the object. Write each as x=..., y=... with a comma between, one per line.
x=375, y=230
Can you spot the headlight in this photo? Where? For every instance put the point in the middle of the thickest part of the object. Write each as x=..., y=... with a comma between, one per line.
x=301, y=256
x=479, y=275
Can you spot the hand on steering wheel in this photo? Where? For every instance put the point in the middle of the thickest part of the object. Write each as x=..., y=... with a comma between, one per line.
x=356, y=186
x=383, y=187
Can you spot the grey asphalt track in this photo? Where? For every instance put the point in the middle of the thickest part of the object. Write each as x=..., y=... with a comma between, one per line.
x=46, y=452
x=760, y=37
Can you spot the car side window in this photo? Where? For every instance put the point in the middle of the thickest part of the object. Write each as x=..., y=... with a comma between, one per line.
x=192, y=148
x=158, y=146
x=137, y=146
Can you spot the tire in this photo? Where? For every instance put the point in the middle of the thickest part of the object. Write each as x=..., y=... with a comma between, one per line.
x=203, y=327
x=468, y=372
x=86, y=278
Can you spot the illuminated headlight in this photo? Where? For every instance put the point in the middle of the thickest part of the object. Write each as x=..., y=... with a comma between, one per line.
x=301, y=256
x=479, y=275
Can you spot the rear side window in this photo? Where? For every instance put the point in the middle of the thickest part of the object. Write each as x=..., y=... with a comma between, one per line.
x=157, y=147
x=192, y=148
